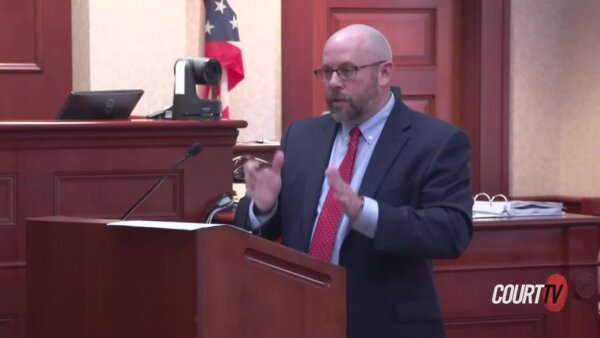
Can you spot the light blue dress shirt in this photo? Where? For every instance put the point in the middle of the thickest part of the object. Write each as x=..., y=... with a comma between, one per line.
x=366, y=222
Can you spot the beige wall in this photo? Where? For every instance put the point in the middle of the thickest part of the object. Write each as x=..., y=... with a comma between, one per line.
x=134, y=44
x=257, y=99
x=128, y=44
x=555, y=97
x=580, y=149
x=554, y=81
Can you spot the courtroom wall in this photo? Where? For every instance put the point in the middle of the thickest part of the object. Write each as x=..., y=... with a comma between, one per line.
x=580, y=149
x=554, y=97
x=554, y=80
x=134, y=44
x=128, y=44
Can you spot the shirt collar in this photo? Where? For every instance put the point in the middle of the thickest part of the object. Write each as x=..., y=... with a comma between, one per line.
x=371, y=128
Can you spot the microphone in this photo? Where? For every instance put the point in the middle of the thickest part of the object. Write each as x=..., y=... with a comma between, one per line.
x=192, y=151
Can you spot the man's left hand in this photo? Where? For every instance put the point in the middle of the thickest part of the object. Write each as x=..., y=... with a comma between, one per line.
x=350, y=201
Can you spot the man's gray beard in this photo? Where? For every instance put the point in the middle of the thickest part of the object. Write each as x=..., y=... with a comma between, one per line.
x=349, y=113
x=353, y=112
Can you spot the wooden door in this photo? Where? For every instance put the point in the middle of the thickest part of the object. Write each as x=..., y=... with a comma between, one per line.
x=450, y=60
x=35, y=78
x=35, y=58
x=421, y=38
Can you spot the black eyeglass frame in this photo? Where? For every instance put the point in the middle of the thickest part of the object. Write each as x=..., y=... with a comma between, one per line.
x=353, y=69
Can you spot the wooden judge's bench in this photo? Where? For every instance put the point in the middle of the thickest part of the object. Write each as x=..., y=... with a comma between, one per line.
x=97, y=170
x=100, y=169
x=520, y=251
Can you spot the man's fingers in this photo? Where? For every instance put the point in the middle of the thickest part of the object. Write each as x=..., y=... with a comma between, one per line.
x=277, y=162
x=342, y=191
x=261, y=182
x=250, y=170
x=335, y=180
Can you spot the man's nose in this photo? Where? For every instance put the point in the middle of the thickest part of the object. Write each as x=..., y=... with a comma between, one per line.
x=334, y=81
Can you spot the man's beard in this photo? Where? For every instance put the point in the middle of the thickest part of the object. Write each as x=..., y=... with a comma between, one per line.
x=344, y=108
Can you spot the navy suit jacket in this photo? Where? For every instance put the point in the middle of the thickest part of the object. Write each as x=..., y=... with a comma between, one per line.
x=420, y=176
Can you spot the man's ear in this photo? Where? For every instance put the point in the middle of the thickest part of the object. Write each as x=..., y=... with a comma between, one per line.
x=385, y=77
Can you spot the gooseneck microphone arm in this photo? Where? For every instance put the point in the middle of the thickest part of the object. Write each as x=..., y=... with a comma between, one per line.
x=192, y=151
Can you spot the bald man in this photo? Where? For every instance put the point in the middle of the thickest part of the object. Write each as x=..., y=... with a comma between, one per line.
x=372, y=186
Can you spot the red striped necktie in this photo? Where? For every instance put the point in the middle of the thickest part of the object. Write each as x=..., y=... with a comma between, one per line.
x=326, y=229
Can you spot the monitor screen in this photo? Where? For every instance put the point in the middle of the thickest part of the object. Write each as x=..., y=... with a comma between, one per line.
x=100, y=105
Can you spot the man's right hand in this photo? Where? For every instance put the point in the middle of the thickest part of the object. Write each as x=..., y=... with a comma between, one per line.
x=263, y=184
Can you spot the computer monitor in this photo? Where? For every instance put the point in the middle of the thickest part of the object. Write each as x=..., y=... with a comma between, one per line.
x=100, y=105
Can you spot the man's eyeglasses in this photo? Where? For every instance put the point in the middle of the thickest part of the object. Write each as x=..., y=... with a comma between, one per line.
x=344, y=72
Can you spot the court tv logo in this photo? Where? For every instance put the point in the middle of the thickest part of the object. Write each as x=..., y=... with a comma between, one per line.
x=553, y=293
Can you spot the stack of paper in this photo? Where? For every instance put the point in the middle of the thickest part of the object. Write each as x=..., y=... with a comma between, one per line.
x=505, y=208
x=534, y=208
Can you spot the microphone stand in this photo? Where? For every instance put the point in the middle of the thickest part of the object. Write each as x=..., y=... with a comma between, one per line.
x=192, y=151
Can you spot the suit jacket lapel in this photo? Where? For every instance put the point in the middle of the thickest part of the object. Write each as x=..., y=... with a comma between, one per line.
x=393, y=138
x=319, y=145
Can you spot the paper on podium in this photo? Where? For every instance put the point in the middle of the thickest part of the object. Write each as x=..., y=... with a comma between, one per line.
x=164, y=225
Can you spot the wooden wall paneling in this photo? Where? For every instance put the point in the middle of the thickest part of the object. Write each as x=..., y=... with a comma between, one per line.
x=12, y=266
x=8, y=203
x=470, y=79
x=498, y=327
x=92, y=193
x=298, y=51
x=35, y=58
x=21, y=33
x=493, y=109
x=590, y=206
x=12, y=299
x=582, y=249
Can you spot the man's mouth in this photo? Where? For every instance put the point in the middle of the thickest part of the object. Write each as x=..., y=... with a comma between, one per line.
x=339, y=99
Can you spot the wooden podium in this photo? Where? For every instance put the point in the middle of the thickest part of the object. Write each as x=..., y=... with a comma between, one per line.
x=87, y=279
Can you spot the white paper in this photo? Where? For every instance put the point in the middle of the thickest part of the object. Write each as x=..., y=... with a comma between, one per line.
x=240, y=191
x=164, y=225
x=494, y=208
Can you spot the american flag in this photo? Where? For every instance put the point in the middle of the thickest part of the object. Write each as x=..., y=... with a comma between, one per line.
x=220, y=31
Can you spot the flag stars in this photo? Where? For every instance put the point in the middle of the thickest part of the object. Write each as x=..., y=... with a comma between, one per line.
x=208, y=27
x=234, y=23
x=220, y=6
x=221, y=22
